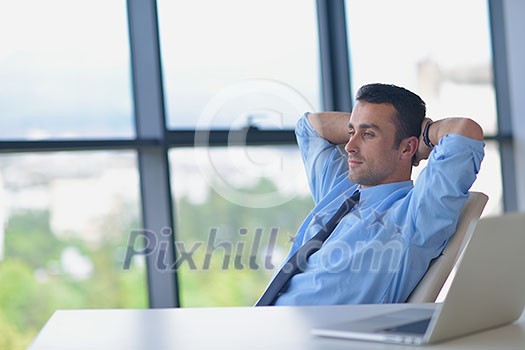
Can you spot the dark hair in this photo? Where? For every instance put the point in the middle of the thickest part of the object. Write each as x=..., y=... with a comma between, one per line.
x=410, y=107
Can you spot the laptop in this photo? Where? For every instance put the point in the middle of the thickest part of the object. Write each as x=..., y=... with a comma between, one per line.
x=487, y=291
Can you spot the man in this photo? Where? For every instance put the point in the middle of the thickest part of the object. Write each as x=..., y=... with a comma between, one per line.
x=378, y=252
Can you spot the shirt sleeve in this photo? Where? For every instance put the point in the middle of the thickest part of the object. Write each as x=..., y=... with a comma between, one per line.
x=325, y=163
x=442, y=188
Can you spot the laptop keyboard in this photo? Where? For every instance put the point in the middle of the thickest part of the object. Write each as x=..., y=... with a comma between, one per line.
x=418, y=327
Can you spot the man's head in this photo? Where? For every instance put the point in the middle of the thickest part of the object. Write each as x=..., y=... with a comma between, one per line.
x=384, y=134
x=410, y=107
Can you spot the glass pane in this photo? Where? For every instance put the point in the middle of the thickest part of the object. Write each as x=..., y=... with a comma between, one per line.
x=65, y=219
x=440, y=49
x=233, y=63
x=64, y=67
x=237, y=210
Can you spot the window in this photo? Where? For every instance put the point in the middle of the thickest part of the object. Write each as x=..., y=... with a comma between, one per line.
x=428, y=48
x=238, y=209
x=65, y=220
x=65, y=216
x=254, y=64
x=64, y=67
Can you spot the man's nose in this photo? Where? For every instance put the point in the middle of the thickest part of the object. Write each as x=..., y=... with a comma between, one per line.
x=351, y=145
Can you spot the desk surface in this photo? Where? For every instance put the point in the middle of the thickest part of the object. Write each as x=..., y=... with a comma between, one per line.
x=234, y=328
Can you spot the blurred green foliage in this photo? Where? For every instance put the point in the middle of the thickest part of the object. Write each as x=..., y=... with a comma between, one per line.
x=33, y=286
x=234, y=286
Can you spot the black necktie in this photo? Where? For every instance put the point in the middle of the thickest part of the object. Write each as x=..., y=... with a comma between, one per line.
x=297, y=262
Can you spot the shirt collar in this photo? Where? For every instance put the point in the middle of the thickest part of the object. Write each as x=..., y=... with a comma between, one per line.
x=378, y=193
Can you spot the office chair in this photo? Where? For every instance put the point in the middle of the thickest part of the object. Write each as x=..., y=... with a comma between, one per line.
x=432, y=284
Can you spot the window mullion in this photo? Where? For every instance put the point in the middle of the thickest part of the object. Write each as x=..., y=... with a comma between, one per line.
x=157, y=213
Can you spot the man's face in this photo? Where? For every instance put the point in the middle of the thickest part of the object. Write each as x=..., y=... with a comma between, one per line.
x=372, y=158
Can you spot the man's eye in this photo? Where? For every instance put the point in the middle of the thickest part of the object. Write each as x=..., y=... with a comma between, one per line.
x=368, y=134
x=351, y=133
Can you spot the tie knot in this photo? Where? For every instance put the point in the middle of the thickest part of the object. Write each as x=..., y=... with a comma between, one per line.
x=348, y=204
x=354, y=198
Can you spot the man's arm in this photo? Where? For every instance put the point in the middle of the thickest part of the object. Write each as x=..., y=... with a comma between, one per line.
x=461, y=126
x=326, y=165
x=332, y=126
x=436, y=130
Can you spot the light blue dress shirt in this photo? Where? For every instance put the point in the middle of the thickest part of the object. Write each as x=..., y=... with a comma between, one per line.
x=382, y=248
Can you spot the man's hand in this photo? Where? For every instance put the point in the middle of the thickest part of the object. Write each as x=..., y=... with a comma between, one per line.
x=332, y=126
x=423, y=151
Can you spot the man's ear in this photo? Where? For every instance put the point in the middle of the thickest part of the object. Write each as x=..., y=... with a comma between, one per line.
x=409, y=147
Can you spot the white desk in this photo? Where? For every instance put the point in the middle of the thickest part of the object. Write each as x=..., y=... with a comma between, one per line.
x=233, y=328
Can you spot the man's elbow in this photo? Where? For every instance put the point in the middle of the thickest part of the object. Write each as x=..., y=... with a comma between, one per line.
x=470, y=128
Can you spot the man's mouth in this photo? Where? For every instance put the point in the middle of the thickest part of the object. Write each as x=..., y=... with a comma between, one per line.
x=354, y=161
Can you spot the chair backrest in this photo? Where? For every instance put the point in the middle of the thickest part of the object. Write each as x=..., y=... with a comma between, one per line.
x=434, y=279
